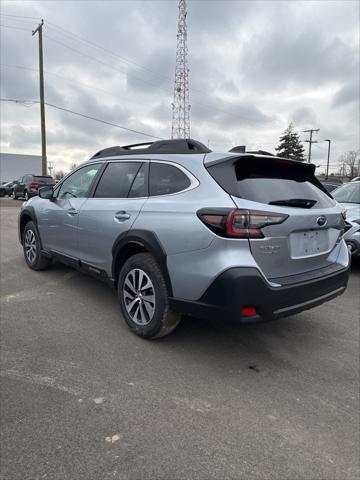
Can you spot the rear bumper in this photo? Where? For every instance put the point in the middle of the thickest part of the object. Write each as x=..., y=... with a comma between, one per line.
x=32, y=192
x=237, y=288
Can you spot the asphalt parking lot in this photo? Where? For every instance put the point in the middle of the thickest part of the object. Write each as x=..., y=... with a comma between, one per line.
x=83, y=398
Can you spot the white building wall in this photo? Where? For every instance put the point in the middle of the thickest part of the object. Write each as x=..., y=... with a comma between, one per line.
x=13, y=166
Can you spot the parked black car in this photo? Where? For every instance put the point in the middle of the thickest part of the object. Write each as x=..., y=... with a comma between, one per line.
x=7, y=187
x=330, y=185
x=28, y=186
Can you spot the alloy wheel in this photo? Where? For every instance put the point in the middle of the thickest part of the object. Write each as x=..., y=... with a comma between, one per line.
x=30, y=246
x=139, y=296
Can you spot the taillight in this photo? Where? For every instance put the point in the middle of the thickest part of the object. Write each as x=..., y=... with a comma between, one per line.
x=239, y=223
x=34, y=185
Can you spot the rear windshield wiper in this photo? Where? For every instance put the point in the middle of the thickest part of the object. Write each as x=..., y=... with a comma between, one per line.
x=295, y=202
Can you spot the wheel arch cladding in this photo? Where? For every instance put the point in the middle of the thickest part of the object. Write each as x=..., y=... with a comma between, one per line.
x=26, y=216
x=139, y=241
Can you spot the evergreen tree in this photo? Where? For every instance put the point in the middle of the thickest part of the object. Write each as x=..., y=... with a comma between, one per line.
x=290, y=145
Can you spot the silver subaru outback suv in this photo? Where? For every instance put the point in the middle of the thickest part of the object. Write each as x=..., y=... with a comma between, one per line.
x=179, y=229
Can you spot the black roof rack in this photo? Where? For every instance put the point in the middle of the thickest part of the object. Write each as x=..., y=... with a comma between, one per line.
x=242, y=149
x=182, y=146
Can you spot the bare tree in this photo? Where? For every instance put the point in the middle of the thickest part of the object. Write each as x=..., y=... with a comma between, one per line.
x=73, y=166
x=349, y=164
x=59, y=174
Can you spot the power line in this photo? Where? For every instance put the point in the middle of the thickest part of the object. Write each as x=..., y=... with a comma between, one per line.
x=100, y=47
x=80, y=115
x=69, y=33
x=67, y=79
x=105, y=64
x=12, y=27
x=204, y=105
x=210, y=107
x=18, y=16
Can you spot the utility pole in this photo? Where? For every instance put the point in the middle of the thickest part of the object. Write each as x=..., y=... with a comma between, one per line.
x=311, y=141
x=42, y=99
x=51, y=167
x=181, y=108
x=328, y=158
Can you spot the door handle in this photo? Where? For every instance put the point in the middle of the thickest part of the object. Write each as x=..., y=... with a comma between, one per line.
x=121, y=216
x=72, y=211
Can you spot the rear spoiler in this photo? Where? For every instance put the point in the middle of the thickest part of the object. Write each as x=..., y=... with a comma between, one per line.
x=250, y=163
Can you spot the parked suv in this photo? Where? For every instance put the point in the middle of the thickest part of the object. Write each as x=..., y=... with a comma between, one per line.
x=28, y=186
x=178, y=229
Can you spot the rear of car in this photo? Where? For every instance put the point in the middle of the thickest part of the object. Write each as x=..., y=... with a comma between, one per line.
x=28, y=186
x=38, y=181
x=279, y=248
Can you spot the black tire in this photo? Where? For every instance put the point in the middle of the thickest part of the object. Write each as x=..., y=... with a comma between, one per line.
x=36, y=260
x=26, y=195
x=163, y=320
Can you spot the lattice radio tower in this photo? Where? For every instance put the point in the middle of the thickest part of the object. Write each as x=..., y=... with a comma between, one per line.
x=181, y=107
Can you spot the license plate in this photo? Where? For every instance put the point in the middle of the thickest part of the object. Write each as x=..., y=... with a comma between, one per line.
x=309, y=243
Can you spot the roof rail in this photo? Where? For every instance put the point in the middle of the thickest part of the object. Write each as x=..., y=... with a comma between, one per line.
x=182, y=146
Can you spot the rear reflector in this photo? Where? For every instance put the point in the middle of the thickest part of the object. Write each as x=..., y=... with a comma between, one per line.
x=248, y=311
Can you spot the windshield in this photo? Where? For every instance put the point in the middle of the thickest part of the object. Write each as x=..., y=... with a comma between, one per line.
x=349, y=193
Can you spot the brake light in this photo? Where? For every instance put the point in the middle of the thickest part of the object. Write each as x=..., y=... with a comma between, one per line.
x=34, y=185
x=248, y=311
x=240, y=223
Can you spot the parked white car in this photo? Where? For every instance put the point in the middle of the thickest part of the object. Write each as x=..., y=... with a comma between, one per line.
x=348, y=196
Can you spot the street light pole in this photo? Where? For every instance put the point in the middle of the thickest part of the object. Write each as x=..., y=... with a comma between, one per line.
x=328, y=158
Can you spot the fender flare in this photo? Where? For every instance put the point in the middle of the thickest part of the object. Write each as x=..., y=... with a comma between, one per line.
x=29, y=211
x=150, y=242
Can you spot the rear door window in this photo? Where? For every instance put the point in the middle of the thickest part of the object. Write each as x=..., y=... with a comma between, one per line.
x=166, y=179
x=272, y=181
x=117, y=180
x=139, y=187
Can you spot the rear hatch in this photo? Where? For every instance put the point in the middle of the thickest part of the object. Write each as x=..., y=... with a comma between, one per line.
x=43, y=181
x=312, y=225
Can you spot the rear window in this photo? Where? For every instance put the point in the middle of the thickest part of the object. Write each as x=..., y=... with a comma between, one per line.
x=166, y=179
x=272, y=181
x=44, y=179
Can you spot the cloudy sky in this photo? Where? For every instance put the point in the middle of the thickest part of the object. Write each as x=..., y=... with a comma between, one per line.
x=254, y=67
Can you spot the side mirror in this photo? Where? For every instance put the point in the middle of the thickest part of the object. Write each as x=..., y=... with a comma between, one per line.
x=46, y=192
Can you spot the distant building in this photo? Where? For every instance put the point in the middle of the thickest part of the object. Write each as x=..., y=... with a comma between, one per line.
x=15, y=165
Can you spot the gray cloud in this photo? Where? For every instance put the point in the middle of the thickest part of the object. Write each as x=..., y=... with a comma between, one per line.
x=347, y=94
x=254, y=66
x=303, y=116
